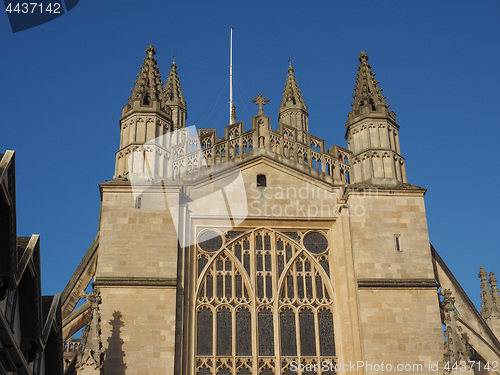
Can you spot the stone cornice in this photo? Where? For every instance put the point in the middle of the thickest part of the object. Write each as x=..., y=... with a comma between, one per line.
x=383, y=190
x=135, y=281
x=397, y=283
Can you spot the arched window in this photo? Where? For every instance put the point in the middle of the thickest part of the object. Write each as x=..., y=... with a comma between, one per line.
x=248, y=283
x=261, y=180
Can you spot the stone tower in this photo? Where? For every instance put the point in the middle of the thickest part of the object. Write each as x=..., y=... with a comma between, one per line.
x=372, y=133
x=278, y=264
x=146, y=117
x=136, y=272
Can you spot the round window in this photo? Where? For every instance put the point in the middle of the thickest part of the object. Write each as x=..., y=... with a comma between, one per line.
x=210, y=241
x=315, y=242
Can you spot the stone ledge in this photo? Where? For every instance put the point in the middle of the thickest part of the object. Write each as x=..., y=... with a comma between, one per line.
x=397, y=283
x=134, y=281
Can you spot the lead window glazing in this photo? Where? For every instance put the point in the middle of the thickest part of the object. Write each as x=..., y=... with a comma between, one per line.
x=263, y=302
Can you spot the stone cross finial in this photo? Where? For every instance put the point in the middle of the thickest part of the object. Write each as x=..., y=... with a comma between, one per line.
x=363, y=57
x=150, y=51
x=260, y=101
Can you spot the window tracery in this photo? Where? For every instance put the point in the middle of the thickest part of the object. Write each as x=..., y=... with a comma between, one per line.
x=263, y=301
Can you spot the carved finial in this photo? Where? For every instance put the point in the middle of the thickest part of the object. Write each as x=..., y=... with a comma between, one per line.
x=456, y=347
x=150, y=51
x=233, y=115
x=448, y=300
x=260, y=101
x=486, y=297
x=91, y=354
x=148, y=85
x=367, y=95
x=292, y=98
x=495, y=296
x=173, y=90
x=482, y=274
x=293, y=108
x=363, y=57
x=493, y=280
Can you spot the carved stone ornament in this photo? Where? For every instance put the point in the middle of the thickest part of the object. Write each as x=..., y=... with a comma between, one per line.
x=456, y=347
x=91, y=355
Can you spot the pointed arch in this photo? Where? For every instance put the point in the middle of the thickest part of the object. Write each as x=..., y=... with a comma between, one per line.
x=265, y=332
x=318, y=267
x=238, y=268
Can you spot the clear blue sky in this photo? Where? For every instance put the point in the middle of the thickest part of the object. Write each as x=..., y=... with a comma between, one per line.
x=64, y=84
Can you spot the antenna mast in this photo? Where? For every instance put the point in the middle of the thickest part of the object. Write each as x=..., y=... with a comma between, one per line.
x=231, y=80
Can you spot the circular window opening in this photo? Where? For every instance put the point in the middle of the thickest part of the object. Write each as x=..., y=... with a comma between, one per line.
x=210, y=241
x=315, y=242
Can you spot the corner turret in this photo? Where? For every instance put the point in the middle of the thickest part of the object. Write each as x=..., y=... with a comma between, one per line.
x=145, y=118
x=372, y=133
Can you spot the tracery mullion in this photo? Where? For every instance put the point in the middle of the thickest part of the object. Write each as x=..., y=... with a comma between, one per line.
x=304, y=279
x=316, y=331
x=295, y=282
x=275, y=303
x=233, y=310
x=253, y=301
x=213, y=276
x=298, y=338
x=314, y=274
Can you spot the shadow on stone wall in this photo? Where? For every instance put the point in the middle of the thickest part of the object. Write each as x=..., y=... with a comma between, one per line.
x=114, y=355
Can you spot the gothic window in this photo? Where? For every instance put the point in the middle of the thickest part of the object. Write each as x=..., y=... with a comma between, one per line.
x=263, y=301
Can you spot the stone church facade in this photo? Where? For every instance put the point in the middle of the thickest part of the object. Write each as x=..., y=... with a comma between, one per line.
x=267, y=251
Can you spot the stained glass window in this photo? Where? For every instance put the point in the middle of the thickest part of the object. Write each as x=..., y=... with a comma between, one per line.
x=262, y=301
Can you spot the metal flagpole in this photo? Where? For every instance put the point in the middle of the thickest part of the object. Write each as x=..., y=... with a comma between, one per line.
x=231, y=79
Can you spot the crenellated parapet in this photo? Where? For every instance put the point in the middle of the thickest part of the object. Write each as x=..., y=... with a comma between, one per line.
x=180, y=154
x=288, y=145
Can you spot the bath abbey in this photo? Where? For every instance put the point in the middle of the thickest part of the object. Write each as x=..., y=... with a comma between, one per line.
x=264, y=250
